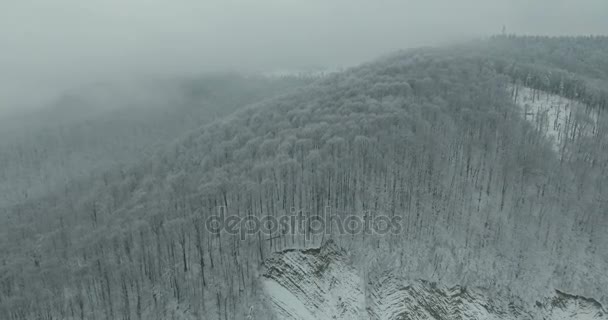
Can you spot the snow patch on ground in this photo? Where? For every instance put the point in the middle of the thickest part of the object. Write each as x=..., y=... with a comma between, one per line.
x=553, y=115
x=286, y=303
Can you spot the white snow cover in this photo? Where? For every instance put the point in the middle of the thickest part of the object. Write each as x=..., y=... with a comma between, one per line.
x=321, y=284
x=552, y=114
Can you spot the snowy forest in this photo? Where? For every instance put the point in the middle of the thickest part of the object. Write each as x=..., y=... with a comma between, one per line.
x=441, y=137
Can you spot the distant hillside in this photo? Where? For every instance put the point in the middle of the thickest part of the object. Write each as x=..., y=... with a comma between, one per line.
x=434, y=138
x=583, y=56
x=106, y=126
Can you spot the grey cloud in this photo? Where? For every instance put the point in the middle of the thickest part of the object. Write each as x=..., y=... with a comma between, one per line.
x=47, y=46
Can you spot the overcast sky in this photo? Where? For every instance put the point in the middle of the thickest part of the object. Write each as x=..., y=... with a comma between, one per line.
x=49, y=45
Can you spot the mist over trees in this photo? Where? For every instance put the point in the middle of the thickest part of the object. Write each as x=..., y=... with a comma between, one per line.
x=430, y=135
x=109, y=126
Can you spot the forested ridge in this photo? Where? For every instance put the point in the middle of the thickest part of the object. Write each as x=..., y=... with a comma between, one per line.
x=573, y=67
x=431, y=135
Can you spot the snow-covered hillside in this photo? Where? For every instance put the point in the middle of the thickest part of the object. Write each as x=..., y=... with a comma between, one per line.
x=322, y=284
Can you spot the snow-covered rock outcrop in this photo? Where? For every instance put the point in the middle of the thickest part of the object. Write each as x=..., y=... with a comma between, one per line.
x=314, y=284
x=321, y=284
x=566, y=306
x=392, y=298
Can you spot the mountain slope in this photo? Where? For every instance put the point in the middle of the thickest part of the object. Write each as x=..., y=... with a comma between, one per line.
x=432, y=139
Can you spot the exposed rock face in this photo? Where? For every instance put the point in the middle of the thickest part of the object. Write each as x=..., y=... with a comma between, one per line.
x=566, y=306
x=392, y=298
x=321, y=284
x=314, y=284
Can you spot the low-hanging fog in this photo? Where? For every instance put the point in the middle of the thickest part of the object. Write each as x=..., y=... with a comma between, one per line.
x=49, y=46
